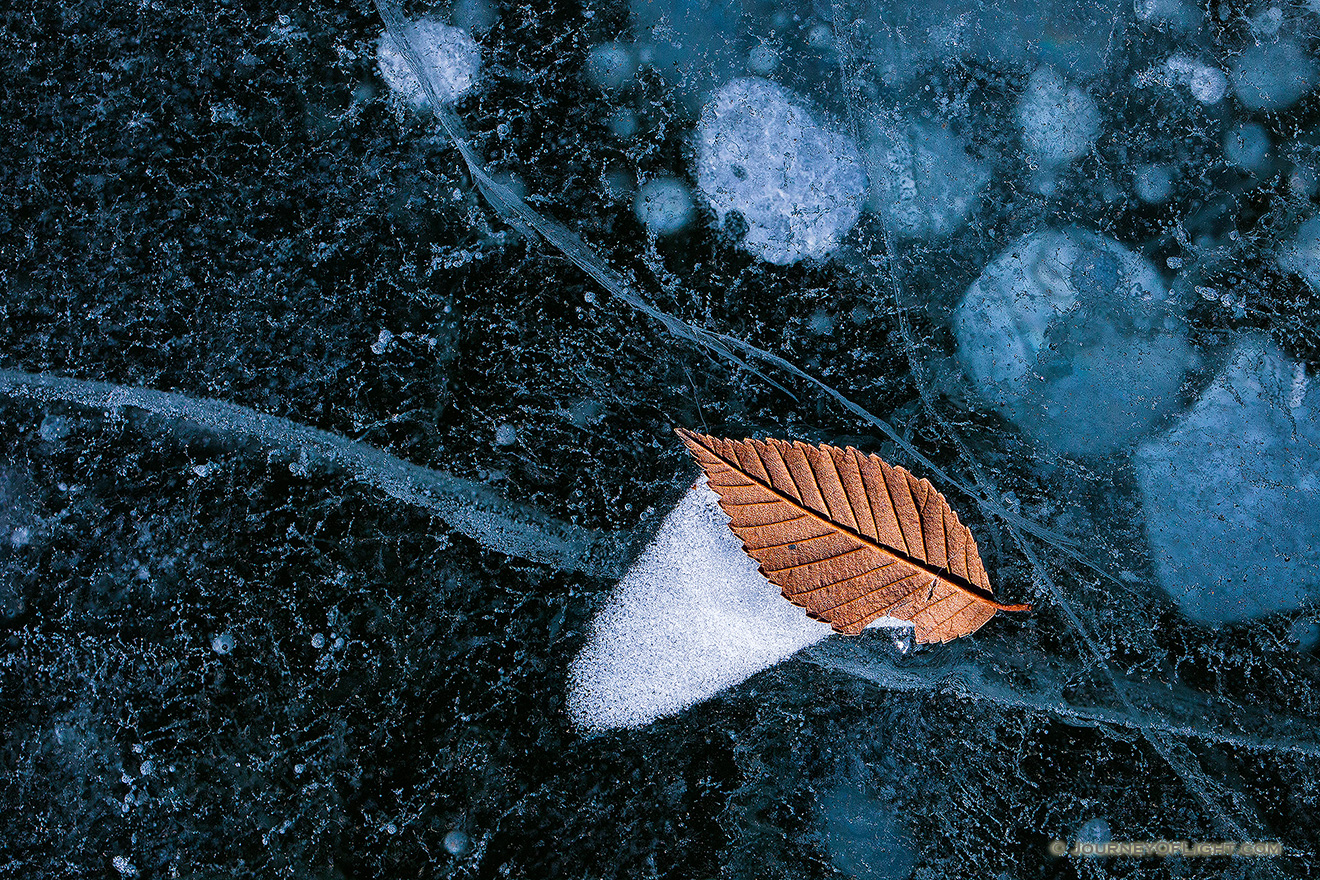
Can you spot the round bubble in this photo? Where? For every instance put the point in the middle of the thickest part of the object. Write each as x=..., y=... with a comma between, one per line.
x=1271, y=76
x=797, y=185
x=665, y=206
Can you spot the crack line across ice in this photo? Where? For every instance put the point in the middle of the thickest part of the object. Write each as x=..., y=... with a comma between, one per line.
x=466, y=506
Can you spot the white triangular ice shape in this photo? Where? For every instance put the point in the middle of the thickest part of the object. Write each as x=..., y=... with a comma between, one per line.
x=692, y=616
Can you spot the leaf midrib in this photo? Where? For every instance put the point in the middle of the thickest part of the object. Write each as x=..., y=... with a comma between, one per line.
x=943, y=574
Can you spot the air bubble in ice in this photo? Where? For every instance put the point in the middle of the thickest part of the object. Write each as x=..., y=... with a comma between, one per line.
x=1301, y=253
x=923, y=182
x=1231, y=493
x=610, y=66
x=54, y=428
x=1247, y=145
x=1272, y=75
x=223, y=643
x=1059, y=121
x=1075, y=339
x=1153, y=183
x=457, y=843
x=506, y=435
x=664, y=205
x=761, y=154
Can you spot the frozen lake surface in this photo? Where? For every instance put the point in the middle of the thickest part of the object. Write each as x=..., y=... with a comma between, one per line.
x=344, y=530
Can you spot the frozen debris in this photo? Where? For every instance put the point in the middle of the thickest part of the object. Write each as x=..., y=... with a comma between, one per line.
x=383, y=342
x=1274, y=75
x=1247, y=145
x=866, y=840
x=1059, y=121
x=694, y=615
x=1301, y=254
x=923, y=182
x=664, y=205
x=1074, y=338
x=610, y=66
x=451, y=57
x=761, y=154
x=223, y=643
x=506, y=435
x=1231, y=494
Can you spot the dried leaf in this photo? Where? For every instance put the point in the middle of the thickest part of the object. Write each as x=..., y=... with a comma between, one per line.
x=849, y=537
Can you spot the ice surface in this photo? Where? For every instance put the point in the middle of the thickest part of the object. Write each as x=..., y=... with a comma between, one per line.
x=183, y=573
x=1231, y=493
x=761, y=153
x=865, y=839
x=923, y=182
x=693, y=616
x=1075, y=339
x=453, y=58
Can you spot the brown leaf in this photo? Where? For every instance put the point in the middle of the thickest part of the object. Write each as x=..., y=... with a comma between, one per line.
x=849, y=537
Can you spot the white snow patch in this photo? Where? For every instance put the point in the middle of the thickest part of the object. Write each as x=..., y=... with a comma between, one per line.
x=693, y=616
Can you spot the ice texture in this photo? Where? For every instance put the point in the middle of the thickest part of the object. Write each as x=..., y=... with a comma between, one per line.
x=1059, y=121
x=451, y=55
x=1301, y=253
x=761, y=153
x=866, y=840
x=1231, y=493
x=693, y=616
x=1073, y=37
x=923, y=182
x=1075, y=339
